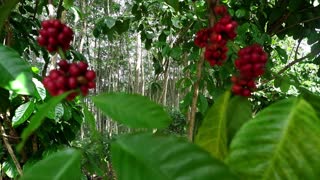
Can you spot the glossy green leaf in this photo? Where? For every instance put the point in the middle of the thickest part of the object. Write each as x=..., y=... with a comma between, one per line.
x=281, y=142
x=37, y=119
x=56, y=113
x=16, y=75
x=22, y=113
x=238, y=113
x=62, y=165
x=67, y=4
x=110, y=22
x=144, y=156
x=312, y=99
x=212, y=134
x=40, y=90
x=174, y=4
x=133, y=110
x=122, y=25
x=241, y=13
x=67, y=112
x=202, y=104
x=5, y=9
x=9, y=168
x=282, y=54
x=295, y=5
x=90, y=120
x=78, y=14
x=176, y=53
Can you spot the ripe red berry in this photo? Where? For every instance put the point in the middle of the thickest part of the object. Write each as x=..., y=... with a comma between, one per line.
x=42, y=41
x=251, y=64
x=52, y=32
x=72, y=82
x=220, y=10
x=54, y=35
x=54, y=74
x=82, y=66
x=64, y=65
x=52, y=88
x=67, y=31
x=84, y=90
x=60, y=91
x=61, y=82
x=51, y=48
x=246, y=93
x=236, y=89
x=72, y=96
x=69, y=77
x=90, y=75
x=251, y=84
x=74, y=70
x=57, y=24
x=44, y=33
x=52, y=41
x=45, y=24
x=91, y=85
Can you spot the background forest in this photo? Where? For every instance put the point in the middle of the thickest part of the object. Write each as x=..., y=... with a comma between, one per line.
x=159, y=109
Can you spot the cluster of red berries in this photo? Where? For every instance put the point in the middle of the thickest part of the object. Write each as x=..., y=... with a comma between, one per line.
x=251, y=64
x=70, y=76
x=54, y=35
x=214, y=39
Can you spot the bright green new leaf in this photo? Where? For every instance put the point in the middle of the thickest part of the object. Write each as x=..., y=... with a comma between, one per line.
x=22, y=113
x=62, y=165
x=212, y=134
x=16, y=75
x=136, y=111
x=67, y=4
x=145, y=157
x=281, y=142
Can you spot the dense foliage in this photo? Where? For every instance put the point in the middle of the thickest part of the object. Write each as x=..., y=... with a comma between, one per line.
x=210, y=52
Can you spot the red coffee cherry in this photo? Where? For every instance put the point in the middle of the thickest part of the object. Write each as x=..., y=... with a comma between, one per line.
x=90, y=75
x=55, y=35
x=214, y=39
x=70, y=76
x=251, y=64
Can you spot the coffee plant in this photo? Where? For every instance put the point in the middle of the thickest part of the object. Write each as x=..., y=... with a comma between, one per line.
x=236, y=129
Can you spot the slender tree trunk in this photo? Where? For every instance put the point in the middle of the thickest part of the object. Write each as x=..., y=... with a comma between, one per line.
x=142, y=77
x=138, y=65
x=163, y=97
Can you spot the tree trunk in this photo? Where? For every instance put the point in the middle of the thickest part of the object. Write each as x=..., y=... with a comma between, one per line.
x=138, y=65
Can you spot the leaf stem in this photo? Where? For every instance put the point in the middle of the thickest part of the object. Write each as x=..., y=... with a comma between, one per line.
x=61, y=53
